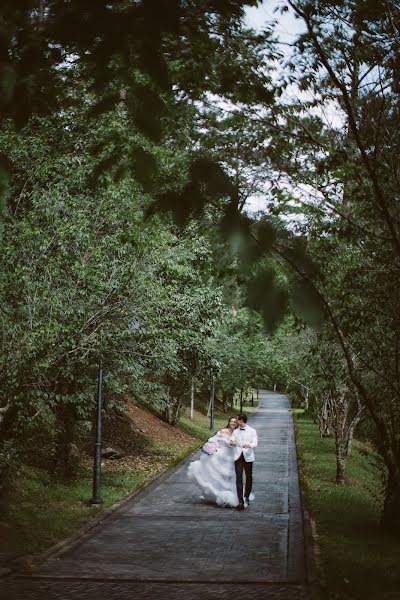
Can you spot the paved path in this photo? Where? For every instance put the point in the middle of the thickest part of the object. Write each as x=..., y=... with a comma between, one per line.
x=168, y=543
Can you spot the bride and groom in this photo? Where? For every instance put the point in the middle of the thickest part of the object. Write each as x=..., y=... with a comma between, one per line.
x=219, y=471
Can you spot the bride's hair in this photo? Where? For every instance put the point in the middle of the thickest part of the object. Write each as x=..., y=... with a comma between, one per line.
x=229, y=420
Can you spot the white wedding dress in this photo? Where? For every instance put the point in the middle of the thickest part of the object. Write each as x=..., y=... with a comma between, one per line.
x=215, y=473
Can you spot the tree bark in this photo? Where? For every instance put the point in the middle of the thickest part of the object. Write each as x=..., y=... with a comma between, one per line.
x=391, y=510
x=306, y=400
x=64, y=463
x=324, y=418
x=225, y=400
x=191, y=401
x=340, y=464
x=352, y=427
x=339, y=404
x=177, y=410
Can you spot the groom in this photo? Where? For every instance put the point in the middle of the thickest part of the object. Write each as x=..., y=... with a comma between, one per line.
x=244, y=439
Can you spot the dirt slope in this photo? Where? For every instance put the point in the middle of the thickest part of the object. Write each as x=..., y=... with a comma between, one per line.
x=147, y=441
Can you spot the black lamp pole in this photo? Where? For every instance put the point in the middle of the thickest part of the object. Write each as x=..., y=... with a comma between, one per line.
x=212, y=400
x=97, y=452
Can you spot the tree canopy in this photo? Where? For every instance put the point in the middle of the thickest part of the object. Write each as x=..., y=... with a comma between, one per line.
x=133, y=135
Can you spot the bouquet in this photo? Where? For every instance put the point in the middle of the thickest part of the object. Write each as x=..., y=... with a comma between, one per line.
x=210, y=448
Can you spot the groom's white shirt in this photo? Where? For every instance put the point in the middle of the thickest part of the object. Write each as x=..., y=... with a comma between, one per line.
x=247, y=436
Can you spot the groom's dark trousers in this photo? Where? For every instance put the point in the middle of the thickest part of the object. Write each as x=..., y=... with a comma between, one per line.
x=240, y=465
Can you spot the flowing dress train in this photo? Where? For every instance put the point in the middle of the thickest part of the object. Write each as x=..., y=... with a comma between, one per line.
x=215, y=474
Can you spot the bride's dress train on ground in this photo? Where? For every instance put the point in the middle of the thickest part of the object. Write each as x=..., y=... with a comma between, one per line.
x=215, y=473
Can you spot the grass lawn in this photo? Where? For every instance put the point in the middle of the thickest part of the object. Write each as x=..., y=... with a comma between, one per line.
x=360, y=561
x=41, y=511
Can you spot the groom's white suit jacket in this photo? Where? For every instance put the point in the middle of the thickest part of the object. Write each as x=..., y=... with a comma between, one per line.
x=248, y=436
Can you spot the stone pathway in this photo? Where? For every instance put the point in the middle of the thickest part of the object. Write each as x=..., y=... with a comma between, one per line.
x=168, y=543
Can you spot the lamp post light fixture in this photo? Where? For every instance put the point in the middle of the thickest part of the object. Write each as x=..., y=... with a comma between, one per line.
x=97, y=499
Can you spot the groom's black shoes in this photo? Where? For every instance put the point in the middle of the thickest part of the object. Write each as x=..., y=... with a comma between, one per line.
x=240, y=507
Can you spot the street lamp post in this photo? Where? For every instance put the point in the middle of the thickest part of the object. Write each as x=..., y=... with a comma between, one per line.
x=97, y=499
x=212, y=404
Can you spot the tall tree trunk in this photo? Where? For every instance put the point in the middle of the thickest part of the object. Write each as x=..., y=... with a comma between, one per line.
x=339, y=406
x=225, y=400
x=168, y=414
x=340, y=463
x=349, y=443
x=352, y=427
x=191, y=414
x=391, y=510
x=64, y=462
x=211, y=402
x=177, y=410
x=306, y=400
x=324, y=418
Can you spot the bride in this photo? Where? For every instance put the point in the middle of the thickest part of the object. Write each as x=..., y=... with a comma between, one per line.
x=215, y=473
